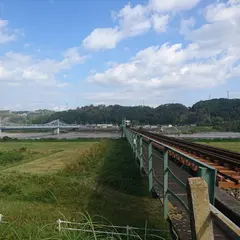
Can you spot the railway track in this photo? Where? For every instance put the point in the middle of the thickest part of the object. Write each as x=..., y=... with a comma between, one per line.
x=227, y=163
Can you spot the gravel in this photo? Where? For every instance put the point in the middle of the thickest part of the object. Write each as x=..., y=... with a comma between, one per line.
x=234, y=192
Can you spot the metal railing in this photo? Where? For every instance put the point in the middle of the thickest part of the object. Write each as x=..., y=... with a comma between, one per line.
x=112, y=230
x=205, y=171
x=208, y=173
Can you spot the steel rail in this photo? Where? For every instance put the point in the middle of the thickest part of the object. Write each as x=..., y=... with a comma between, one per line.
x=228, y=153
x=198, y=148
x=195, y=148
x=203, y=150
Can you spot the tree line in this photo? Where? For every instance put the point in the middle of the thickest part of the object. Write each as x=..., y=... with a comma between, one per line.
x=221, y=113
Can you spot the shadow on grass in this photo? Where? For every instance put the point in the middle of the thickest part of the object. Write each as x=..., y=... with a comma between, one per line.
x=122, y=194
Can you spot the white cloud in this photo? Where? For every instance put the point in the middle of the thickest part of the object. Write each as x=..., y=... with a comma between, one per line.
x=132, y=21
x=20, y=69
x=133, y=97
x=169, y=67
x=71, y=57
x=102, y=38
x=135, y=20
x=129, y=97
x=7, y=34
x=59, y=108
x=229, y=11
x=172, y=5
x=222, y=31
x=109, y=96
x=160, y=22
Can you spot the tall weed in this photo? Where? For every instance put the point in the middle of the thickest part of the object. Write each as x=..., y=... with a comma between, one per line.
x=90, y=159
x=10, y=157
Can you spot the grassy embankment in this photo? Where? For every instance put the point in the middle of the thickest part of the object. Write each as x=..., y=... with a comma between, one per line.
x=44, y=181
x=188, y=129
x=232, y=145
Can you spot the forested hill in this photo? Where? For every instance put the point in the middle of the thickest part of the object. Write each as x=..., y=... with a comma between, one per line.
x=211, y=112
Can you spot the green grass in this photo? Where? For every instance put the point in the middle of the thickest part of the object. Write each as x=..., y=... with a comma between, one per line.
x=40, y=157
x=195, y=129
x=229, y=145
x=188, y=129
x=98, y=178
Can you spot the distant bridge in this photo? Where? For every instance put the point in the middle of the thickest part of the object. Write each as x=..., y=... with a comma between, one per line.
x=55, y=125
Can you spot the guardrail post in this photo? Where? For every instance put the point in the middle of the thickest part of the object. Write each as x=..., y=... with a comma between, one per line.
x=136, y=146
x=133, y=141
x=165, y=182
x=123, y=132
x=199, y=209
x=141, y=153
x=209, y=175
x=150, y=177
x=129, y=138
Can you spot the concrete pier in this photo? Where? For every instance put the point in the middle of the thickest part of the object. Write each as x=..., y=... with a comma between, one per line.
x=56, y=131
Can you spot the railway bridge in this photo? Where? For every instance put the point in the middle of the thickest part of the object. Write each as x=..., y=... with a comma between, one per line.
x=169, y=164
x=55, y=126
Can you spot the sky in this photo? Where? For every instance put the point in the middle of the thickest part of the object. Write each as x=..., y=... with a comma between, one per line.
x=61, y=54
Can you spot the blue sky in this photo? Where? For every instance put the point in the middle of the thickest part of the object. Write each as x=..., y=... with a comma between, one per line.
x=79, y=52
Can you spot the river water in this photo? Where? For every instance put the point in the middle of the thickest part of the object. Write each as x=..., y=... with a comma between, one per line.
x=69, y=135
x=112, y=134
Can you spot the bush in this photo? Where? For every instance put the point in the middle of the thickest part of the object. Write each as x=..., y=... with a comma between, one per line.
x=10, y=188
x=22, y=149
x=10, y=157
x=6, y=138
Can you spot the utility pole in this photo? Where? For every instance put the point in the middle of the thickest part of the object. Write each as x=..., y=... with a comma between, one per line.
x=227, y=94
